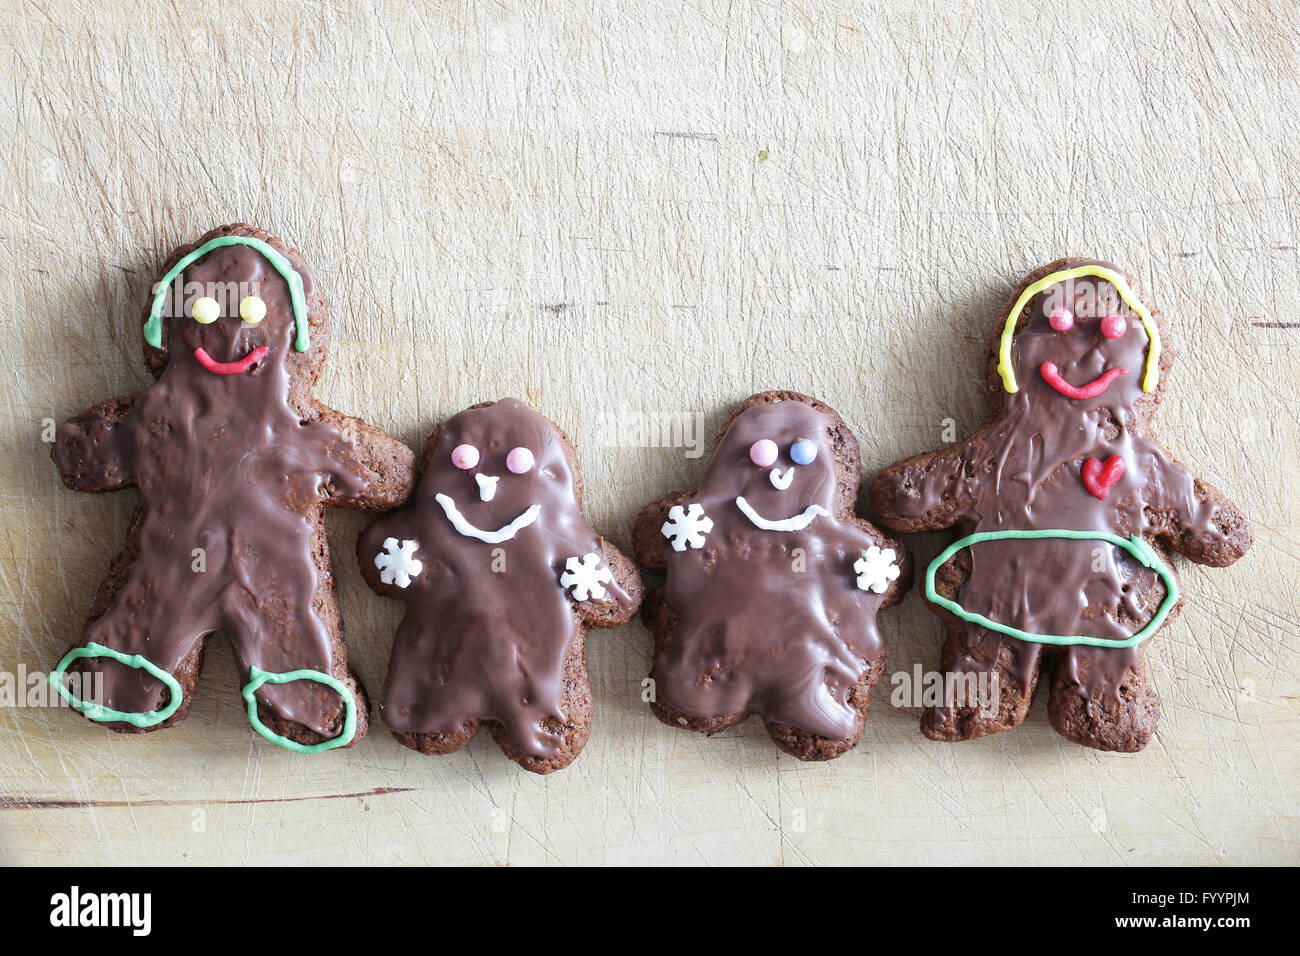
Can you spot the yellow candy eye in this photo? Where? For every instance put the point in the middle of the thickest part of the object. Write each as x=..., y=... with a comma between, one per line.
x=205, y=310
x=252, y=310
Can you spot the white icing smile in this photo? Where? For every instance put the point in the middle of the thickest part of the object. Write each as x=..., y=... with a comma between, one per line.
x=796, y=523
x=487, y=486
x=461, y=524
x=779, y=481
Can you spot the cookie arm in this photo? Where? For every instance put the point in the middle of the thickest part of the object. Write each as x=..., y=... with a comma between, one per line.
x=376, y=461
x=648, y=539
x=390, y=555
x=922, y=493
x=623, y=592
x=90, y=449
x=862, y=536
x=1200, y=523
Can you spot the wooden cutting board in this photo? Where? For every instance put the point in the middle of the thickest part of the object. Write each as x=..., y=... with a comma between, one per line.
x=627, y=215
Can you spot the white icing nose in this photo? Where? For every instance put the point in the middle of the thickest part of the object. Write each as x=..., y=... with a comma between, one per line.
x=779, y=481
x=487, y=486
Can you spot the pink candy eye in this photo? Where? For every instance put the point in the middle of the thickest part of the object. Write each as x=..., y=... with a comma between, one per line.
x=763, y=453
x=1061, y=319
x=464, y=457
x=1113, y=326
x=520, y=461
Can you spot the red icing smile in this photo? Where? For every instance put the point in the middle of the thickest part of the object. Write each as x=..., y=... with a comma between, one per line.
x=1052, y=375
x=229, y=368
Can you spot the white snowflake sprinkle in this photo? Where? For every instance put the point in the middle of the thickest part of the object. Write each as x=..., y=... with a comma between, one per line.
x=398, y=564
x=876, y=569
x=687, y=527
x=586, y=577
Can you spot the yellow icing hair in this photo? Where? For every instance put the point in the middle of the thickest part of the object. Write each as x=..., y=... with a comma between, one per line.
x=1151, y=372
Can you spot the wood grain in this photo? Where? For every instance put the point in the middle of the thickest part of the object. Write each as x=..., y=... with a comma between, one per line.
x=638, y=213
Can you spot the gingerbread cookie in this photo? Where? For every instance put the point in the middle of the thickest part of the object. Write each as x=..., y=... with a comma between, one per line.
x=501, y=577
x=235, y=462
x=1066, y=510
x=772, y=582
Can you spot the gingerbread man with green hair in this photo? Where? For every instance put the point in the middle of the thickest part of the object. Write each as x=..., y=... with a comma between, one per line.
x=1067, y=511
x=235, y=462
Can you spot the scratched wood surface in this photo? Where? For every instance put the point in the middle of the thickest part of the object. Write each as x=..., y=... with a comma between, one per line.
x=633, y=216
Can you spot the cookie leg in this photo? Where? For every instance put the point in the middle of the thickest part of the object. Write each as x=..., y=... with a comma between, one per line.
x=572, y=734
x=1103, y=699
x=989, y=684
x=673, y=717
x=414, y=691
x=299, y=690
x=438, y=744
x=406, y=685
x=806, y=746
x=138, y=662
x=655, y=613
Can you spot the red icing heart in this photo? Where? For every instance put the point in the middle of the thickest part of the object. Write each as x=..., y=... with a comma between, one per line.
x=1099, y=478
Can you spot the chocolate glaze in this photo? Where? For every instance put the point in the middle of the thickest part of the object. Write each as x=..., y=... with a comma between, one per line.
x=237, y=465
x=1024, y=471
x=750, y=633
x=488, y=626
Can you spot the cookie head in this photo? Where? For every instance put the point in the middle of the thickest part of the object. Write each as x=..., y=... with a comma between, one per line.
x=1080, y=337
x=498, y=469
x=233, y=307
x=777, y=461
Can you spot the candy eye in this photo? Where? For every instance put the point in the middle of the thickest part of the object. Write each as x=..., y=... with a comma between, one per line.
x=464, y=457
x=763, y=453
x=252, y=310
x=520, y=461
x=1061, y=319
x=803, y=452
x=205, y=310
x=1113, y=326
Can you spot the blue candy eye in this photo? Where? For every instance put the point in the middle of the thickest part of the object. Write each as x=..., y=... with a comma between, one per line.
x=803, y=452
